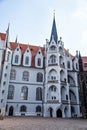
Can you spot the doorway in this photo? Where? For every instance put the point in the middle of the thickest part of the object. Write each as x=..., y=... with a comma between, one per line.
x=59, y=113
x=11, y=111
x=51, y=112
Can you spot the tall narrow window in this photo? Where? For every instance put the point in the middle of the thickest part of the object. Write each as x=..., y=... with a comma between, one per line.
x=39, y=61
x=38, y=93
x=25, y=76
x=16, y=58
x=13, y=74
x=26, y=60
x=53, y=59
x=68, y=64
x=39, y=77
x=11, y=92
x=24, y=93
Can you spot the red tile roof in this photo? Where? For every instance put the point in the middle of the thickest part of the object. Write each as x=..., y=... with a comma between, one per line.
x=32, y=48
x=2, y=36
x=84, y=60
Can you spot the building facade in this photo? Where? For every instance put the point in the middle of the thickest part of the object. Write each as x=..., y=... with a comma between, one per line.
x=38, y=81
x=83, y=84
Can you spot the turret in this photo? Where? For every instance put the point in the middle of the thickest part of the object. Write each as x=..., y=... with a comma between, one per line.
x=80, y=63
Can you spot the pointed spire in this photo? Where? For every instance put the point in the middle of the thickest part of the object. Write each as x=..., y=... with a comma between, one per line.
x=16, y=40
x=54, y=30
x=80, y=63
x=7, y=37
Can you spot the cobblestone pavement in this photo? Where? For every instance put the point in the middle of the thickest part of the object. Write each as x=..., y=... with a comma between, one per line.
x=39, y=123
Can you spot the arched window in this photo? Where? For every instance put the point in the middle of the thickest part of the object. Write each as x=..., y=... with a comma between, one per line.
x=38, y=93
x=24, y=93
x=23, y=108
x=60, y=49
x=25, y=76
x=11, y=92
x=71, y=80
x=38, y=109
x=68, y=64
x=26, y=60
x=53, y=88
x=16, y=58
x=53, y=59
x=13, y=74
x=39, y=61
x=52, y=48
x=39, y=77
x=72, y=96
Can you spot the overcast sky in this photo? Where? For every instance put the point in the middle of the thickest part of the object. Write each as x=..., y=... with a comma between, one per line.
x=32, y=21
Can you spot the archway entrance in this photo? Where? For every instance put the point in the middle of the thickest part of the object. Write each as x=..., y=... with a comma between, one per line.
x=59, y=113
x=11, y=111
x=51, y=112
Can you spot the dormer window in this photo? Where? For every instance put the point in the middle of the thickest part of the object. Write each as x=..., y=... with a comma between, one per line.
x=27, y=60
x=16, y=58
x=39, y=61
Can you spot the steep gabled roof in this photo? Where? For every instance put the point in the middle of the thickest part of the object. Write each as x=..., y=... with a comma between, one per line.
x=23, y=48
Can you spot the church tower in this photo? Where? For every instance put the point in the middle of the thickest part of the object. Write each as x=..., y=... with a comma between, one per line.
x=55, y=76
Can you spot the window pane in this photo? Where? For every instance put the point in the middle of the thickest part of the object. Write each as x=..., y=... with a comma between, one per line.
x=39, y=77
x=13, y=74
x=16, y=58
x=24, y=93
x=39, y=62
x=25, y=76
x=39, y=93
x=11, y=92
x=27, y=60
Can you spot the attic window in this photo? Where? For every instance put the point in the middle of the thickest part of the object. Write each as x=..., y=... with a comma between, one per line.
x=85, y=64
x=17, y=49
x=27, y=50
x=39, y=52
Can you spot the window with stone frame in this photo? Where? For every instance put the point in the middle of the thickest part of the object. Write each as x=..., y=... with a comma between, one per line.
x=39, y=77
x=27, y=60
x=25, y=76
x=39, y=62
x=16, y=58
x=68, y=64
x=38, y=93
x=24, y=93
x=53, y=59
x=13, y=74
x=11, y=92
x=23, y=108
x=38, y=108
